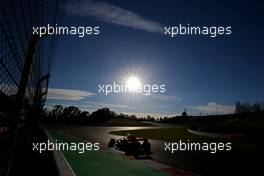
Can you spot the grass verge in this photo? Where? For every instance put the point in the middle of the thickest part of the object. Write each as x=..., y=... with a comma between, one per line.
x=101, y=163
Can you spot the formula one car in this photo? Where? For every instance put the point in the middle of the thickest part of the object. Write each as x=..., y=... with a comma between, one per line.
x=132, y=146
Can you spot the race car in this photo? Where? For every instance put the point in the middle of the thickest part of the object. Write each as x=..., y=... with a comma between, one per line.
x=132, y=146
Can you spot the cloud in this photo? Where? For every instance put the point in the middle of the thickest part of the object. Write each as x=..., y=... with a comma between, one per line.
x=165, y=97
x=213, y=108
x=68, y=94
x=110, y=13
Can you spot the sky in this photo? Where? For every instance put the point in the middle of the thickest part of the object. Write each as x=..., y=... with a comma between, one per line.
x=202, y=74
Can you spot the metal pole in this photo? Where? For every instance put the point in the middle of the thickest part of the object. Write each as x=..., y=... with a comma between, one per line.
x=38, y=96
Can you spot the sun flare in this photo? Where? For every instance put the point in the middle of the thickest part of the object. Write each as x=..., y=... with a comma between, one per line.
x=133, y=83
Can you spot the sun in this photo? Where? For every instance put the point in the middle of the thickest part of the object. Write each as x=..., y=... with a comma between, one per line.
x=133, y=83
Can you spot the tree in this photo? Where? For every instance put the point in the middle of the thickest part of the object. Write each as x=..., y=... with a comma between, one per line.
x=57, y=111
x=256, y=107
x=84, y=116
x=238, y=107
x=103, y=114
x=71, y=113
x=184, y=113
x=246, y=107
